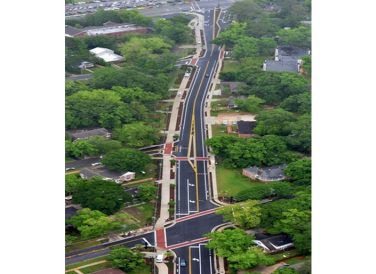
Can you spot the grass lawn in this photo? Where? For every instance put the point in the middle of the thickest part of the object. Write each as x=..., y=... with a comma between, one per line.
x=142, y=213
x=218, y=106
x=71, y=266
x=94, y=268
x=231, y=181
x=230, y=65
x=82, y=244
x=146, y=269
x=219, y=130
x=286, y=255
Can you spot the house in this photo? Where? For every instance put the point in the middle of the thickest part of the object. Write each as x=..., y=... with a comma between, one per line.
x=267, y=174
x=245, y=128
x=73, y=32
x=85, y=65
x=107, y=55
x=273, y=243
x=108, y=28
x=86, y=134
x=70, y=211
x=127, y=176
x=286, y=59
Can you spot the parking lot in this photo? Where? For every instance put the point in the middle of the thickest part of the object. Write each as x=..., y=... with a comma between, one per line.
x=92, y=6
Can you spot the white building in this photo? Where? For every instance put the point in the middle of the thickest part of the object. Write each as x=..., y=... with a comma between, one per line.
x=127, y=176
x=106, y=54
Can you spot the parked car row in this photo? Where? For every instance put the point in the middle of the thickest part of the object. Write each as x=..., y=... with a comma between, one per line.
x=90, y=7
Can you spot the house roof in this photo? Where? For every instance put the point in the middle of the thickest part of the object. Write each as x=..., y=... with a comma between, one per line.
x=246, y=127
x=83, y=134
x=272, y=173
x=72, y=31
x=106, y=54
x=70, y=212
x=273, y=242
x=288, y=59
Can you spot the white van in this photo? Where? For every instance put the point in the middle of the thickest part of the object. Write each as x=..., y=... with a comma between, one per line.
x=159, y=258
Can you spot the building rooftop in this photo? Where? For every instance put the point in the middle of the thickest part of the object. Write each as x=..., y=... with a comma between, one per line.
x=286, y=59
x=106, y=54
x=273, y=242
x=72, y=31
x=272, y=173
x=246, y=127
x=70, y=212
x=84, y=134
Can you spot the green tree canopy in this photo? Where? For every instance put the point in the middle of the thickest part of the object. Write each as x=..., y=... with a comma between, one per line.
x=79, y=149
x=103, y=145
x=297, y=224
x=92, y=223
x=126, y=159
x=300, y=136
x=300, y=171
x=252, y=257
x=298, y=103
x=300, y=36
x=251, y=104
x=137, y=135
x=285, y=270
x=275, y=121
x=229, y=242
x=97, y=194
x=126, y=259
x=258, y=192
x=174, y=28
x=147, y=192
x=245, y=215
x=72, y=181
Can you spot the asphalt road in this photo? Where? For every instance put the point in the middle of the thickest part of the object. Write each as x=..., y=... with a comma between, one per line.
x=191, y=190
x=82, y=163
x=104, y=249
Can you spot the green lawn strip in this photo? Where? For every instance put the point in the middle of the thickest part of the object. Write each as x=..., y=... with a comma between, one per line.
x=81, y=245
x=146, y=269
x=219, y=130
x=231, y=181
x=230, y=65
x=142, y=213
x=72, y=266
x=285, y=255
x=71, y=272
x=94, y=268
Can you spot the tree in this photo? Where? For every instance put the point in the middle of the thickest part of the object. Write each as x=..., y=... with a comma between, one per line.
x=79, y=149
x=296, y=224
x=97, y=194
x=74, y=86
x=175, y=29
x=300, y=171
x=272, y=212
x=285, y=270
x=300, y=135
x=137, y=135
x=229, y=241
x=275, y=121
x=86, y=108
x=103, y=145
x=299, y=37
x=126, y=159
x=307, y=65
x=92, y=223
x=298, y=103
x=251, y=104
x=245, y=215
x=258, y=192
x=72, y=181
x=252, y=257
x=126, y=259
x=147, y=192
x=231, y=35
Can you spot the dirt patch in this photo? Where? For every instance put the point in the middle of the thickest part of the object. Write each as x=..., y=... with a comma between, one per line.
x=229, y=118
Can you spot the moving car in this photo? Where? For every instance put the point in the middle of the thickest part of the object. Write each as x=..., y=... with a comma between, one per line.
x=183, y=262
x=159, y=258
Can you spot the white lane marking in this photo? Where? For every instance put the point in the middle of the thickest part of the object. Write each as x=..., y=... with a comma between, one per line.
x=199, y=256
x=187, y=99
x=146, y=241
x=188, y=195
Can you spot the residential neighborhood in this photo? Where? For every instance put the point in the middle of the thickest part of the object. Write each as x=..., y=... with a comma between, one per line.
x=188, y=137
